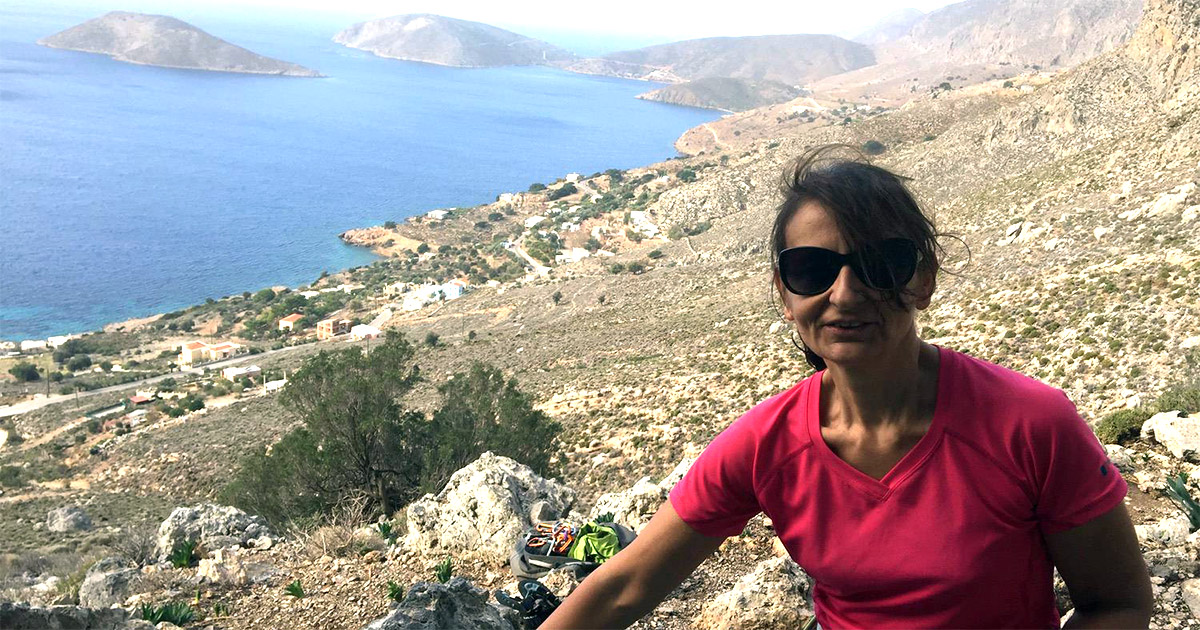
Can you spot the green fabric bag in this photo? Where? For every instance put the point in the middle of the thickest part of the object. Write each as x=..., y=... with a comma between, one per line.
x=596, y=543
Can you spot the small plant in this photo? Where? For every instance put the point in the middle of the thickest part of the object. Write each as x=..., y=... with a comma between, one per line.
x=183, y=555
x=556, y=297
x=395, y=591
x=443, y=571
x=606, y=517
x=177, y=613
x=1120, y=427
x=431, y=339
x=387, y=531
x=1178, y=492
x=294, y=589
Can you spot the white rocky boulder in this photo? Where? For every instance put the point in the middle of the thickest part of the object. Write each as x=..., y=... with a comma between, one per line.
x=68, y=519
x=485, y=507
x=1179, y=433
x=634, y=506
x=456, y=604
x=228, y=567
x=108, y=582
x=774, y=596
x=26, y=617
x=1169, y=531
x=211, y=526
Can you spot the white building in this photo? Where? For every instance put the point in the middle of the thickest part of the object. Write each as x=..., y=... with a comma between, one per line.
x=532, y=221
x=506, y=198
x=33, y=345
x=437, y=215
x=418, y=297
x=234, y=373
x=272, y=386
x=59, y=340
x=575, y=254
x=363, y=331
x=572, y=177
x=308, y=295
x=641, y=223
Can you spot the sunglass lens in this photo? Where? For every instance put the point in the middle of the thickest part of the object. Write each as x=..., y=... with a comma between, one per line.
x=889, y=265
x=809, y=270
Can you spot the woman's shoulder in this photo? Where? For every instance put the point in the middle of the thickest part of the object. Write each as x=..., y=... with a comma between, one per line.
x=974, y=382
x=777, y=422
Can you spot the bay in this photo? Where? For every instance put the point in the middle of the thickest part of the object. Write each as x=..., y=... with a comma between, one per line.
x=128, y=190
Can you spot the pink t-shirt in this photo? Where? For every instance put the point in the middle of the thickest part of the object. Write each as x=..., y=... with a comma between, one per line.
x=951, y=537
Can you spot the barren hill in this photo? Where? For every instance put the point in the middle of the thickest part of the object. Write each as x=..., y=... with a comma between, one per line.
x=449, y=42
x=792, y=59
x=724, y=93
x=159, y=40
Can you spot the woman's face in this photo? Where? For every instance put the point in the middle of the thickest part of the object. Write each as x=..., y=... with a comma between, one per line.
x=872, y=330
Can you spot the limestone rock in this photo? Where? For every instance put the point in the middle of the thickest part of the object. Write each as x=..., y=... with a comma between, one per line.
x=634, y=506
x=1171, y=564
x=1179, y=433
x=227, y=566
x=67, y=519
x=1170, y=531
x=1191, y=595
x=456, y=604
x=108, y=582
x=25, y=617
x=212, y=526
x=484, y=507
x=773, y=596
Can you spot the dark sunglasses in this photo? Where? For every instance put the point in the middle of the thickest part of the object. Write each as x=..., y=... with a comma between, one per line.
x=885, y=266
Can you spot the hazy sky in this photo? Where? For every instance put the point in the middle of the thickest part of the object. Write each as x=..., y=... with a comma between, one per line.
x=637, y=19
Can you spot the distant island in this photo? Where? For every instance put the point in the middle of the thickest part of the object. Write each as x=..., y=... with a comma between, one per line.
x=447, y=41
x=724, y=93
x=160, y=40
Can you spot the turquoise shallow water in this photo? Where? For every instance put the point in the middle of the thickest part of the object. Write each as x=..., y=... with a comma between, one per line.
x=128, y=190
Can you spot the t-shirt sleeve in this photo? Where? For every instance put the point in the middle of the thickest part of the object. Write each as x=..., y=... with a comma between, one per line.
x=1074, y=480
x=716, y=497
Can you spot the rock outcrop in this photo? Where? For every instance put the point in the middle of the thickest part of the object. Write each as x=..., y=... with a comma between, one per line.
x=634, y=506
x=212, y=527
x=24, y=617
x=228, y=567
x=456, y=604
x=160, y=40
x=774, y=596
x=108, y=582
x=485, y=507
x=1179, y=433
x=68, y=519
x=447, y=41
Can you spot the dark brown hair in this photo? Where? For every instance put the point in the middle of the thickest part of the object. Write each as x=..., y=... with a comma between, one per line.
x=867, y=202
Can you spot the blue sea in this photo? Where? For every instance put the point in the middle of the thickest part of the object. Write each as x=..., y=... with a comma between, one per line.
x=128, y=190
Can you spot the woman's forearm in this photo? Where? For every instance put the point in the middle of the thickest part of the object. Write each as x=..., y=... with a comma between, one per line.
x=606, y=599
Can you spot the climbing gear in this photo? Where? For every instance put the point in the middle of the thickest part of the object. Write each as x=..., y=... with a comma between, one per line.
x=550, y=545
x=535, y=602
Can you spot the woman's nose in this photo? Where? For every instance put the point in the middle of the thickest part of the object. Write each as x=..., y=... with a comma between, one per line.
x=847, y=288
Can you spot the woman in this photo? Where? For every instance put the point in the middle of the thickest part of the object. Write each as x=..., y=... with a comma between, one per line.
x=917, y=486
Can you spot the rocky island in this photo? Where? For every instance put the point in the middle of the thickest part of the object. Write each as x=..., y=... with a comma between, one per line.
x=160, y=40
x=724, y=93
x=447, y=41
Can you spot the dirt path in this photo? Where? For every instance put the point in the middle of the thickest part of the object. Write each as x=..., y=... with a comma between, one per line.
x=716, y=139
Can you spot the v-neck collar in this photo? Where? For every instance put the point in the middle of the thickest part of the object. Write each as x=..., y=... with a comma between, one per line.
x=880, y=489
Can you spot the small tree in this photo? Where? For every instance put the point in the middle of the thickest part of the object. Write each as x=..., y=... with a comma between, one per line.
x=873, y=147
x=431, y=339
x=481, y=411
x=557, y=297
x=24, y=372
x=687, y=175
x=79, y=362
x=390, y=225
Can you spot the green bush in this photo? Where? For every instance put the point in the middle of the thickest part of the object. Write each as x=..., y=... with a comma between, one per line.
x=1185, y=398
x=395, y=591
x=536, y=187
x=177, y=613
x=565, y=190
x=444, y=571
x=687, y=175
x=183, y=555
x=24, y=372
x=1178, y=492
x=1120, y=427
x=873, y=147
x=294, y=589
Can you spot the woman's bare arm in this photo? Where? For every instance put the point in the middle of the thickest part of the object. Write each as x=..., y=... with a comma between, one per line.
x=1104, y=571
x=633, y=582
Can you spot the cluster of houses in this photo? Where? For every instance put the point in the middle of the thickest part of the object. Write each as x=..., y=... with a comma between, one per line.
x=416, y=297
x=32, y=346
x=194, y=352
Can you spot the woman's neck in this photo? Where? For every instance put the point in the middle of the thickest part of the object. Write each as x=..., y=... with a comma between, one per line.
x=900, y=389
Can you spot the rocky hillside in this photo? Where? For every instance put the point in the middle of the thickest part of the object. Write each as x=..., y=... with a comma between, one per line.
x=1050, y=33
x=159, y=40
x=791, y=59
x=448, y=42
x=731, y=95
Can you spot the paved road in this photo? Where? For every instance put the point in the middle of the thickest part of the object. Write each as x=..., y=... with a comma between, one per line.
x=38, y=403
